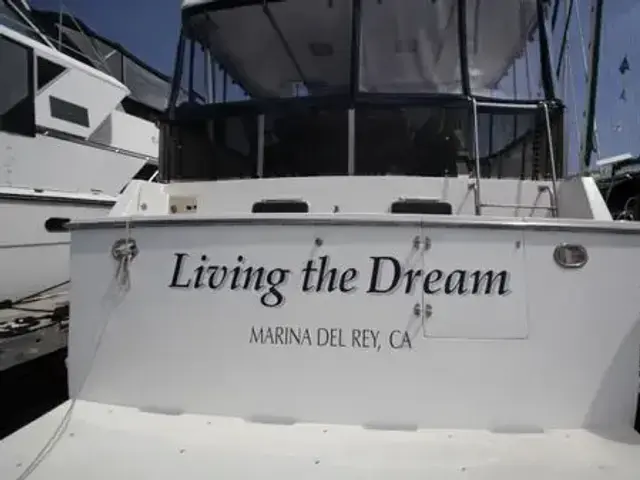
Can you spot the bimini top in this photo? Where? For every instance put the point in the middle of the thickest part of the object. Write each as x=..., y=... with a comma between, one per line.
x=407, y=46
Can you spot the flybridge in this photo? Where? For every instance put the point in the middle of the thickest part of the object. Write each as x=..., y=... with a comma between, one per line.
x=313, y=43
x=386, y=275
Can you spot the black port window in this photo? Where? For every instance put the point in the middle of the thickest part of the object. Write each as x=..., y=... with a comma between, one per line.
x=69, y=112
x=47, y=72
x=280, y=206
x=417, y=206
x=17, y=107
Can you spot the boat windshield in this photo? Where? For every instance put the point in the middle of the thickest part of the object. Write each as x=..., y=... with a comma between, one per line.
x=365, y=87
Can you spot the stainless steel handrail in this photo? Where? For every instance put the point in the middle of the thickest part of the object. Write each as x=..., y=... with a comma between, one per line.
x=475, y=184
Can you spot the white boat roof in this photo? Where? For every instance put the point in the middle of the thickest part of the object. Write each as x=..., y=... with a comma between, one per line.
x=191, y=3
x=107, y=442
x=625, y=157
x=407, y=46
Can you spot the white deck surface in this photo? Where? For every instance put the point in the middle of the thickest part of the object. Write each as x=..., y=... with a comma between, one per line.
x=108, y=442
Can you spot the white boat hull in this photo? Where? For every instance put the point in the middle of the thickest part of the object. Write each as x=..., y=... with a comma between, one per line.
x=33, y=258
x=422, y=346
x=541, y=345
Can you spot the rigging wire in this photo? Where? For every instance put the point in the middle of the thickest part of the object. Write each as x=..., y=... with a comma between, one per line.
x=9, y=304
x=528, y=75
x=572, y=89
x=585, y=65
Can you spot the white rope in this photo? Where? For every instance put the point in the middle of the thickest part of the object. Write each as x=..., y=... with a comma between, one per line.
x=124, y=251
x=48, y=446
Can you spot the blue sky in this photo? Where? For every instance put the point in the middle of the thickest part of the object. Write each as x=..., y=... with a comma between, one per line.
x=149, y=29
x=619, y=120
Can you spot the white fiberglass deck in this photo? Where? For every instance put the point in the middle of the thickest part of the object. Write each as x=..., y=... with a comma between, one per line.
x=109, y=442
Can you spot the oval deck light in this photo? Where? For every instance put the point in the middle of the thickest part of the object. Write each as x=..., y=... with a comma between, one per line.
x=570, y=255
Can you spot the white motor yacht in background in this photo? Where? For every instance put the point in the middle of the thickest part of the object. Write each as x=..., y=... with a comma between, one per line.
x=348, y=273
x=618, y=178
x=68, y=146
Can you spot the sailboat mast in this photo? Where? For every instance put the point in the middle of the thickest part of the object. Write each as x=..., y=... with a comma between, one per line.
x=592, y=83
